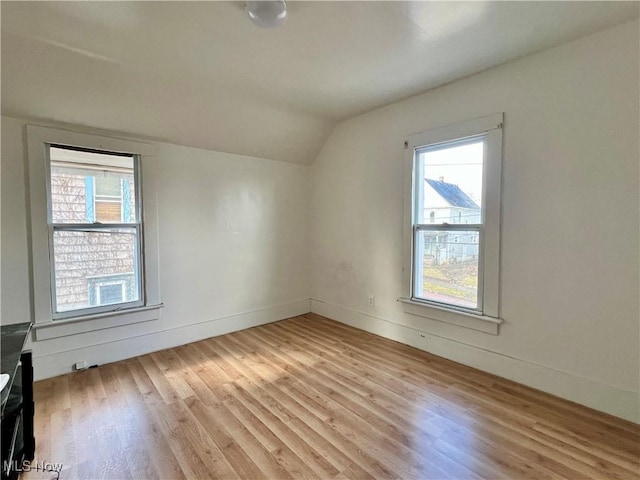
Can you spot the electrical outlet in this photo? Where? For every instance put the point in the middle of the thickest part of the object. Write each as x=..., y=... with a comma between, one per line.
x=81, y=365
x=372, y=300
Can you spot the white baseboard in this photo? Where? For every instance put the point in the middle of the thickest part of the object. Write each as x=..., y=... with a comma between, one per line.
x=59, y=363
x=605, y=398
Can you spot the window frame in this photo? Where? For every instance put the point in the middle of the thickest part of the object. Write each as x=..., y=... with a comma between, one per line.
x=486, y=317
x=450, y=229
x=96, y=226
x=46, y=323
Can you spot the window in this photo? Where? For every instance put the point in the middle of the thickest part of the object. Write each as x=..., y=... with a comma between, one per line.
x=94, y=231
x=448, y=179
x=452, y=218
x=110, y=289
x=110, y=293
x=108, y=199
x=89, y=241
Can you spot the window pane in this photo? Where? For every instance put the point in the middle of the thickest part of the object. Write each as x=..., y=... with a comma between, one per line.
x=111, y=293
x=447, y=267
x=450, y=182
x=88, y=187
x=108, y=212
x=91, y=266
x=110, y=187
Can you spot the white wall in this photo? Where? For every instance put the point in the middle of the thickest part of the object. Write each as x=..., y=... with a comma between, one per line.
x=570, y=288
x=233, y=234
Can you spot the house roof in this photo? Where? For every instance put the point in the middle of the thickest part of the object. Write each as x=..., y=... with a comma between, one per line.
x=452, y=194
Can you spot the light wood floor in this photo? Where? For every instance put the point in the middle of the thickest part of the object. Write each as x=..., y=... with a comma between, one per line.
x=311, y=398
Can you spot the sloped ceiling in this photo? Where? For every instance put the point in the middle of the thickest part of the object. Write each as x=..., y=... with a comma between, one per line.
x=200, y=74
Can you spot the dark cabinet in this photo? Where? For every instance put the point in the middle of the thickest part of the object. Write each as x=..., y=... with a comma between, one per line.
x=18, y=441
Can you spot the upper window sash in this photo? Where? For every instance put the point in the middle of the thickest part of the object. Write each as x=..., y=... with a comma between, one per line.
x=419, y=177
x=69, y=161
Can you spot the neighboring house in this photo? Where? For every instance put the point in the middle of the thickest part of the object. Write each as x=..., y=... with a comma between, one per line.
x=93, y=267
x=447, y=203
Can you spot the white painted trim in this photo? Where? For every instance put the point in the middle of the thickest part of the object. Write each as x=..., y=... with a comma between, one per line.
x=62, y=136
x=481, y=323
x=41, y=248
x=489, y=248
x=468, y=128
x=59, y=363
x=98, y=321
x=585, y=391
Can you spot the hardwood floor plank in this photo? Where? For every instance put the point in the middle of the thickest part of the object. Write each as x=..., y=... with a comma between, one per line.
x=180, y=440
x=310, y=398
x=625, y=437
x=130, y=432
x=235, y=455
x=169, y=393
x=176, y=376
x=325, y=443
x=365, y=430
x=253, y=449
x=149, y=434
x=147, y=389
x=279, y=444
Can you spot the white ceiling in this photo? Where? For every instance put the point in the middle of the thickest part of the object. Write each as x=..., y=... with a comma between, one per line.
x=201, y=74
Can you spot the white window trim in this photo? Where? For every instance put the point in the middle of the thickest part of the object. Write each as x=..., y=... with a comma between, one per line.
x=139, y=245
x=37, y=139
x=488, y=320
x=98, y=321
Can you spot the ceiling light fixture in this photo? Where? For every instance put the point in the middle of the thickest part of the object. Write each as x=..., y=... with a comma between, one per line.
x=267, y=13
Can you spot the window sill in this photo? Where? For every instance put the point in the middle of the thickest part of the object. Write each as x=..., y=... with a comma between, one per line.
x=98, y=321
x=481, y=323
